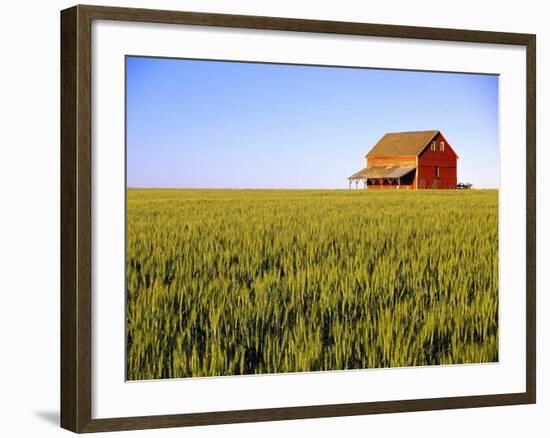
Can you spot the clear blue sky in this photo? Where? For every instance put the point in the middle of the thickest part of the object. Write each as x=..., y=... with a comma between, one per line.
x=246, y=125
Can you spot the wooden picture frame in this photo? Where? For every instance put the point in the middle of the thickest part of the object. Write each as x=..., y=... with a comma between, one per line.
x=76, y=218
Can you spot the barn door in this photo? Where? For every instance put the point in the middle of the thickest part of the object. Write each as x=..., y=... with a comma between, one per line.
x=421, y=183
x=434, y=184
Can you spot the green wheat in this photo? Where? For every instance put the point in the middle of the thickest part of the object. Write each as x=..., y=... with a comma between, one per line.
x=225, y=282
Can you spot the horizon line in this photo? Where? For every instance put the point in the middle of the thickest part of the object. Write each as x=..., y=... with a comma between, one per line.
x=288, y=188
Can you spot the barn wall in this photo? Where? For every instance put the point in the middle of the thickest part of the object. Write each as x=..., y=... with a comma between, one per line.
x=389, y=187
x=428, y=160
x=406, y=182
x=392, y=161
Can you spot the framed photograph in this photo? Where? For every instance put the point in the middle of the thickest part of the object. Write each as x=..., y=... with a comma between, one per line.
x=271, y=218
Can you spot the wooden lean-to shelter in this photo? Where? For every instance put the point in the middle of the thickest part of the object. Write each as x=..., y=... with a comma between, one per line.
x=411, y=160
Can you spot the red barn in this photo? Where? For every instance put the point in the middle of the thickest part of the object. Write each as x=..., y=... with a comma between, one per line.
x=412, y=160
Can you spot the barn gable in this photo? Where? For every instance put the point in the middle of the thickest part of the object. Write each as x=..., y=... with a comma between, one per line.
x=439, y=138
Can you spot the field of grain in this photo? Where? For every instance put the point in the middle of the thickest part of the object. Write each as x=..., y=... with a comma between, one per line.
x=226, y=282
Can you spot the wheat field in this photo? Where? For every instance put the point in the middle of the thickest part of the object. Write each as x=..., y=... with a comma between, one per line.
x=230, y=282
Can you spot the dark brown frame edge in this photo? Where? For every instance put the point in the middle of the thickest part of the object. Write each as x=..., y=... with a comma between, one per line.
x=76, y=172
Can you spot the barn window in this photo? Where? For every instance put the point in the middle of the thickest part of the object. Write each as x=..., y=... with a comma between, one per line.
x=442, y=146
x=437, y=171
x=433, y=146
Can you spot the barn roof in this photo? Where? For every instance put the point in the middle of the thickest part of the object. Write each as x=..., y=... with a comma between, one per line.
x=382, y=172
x=402, y=143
